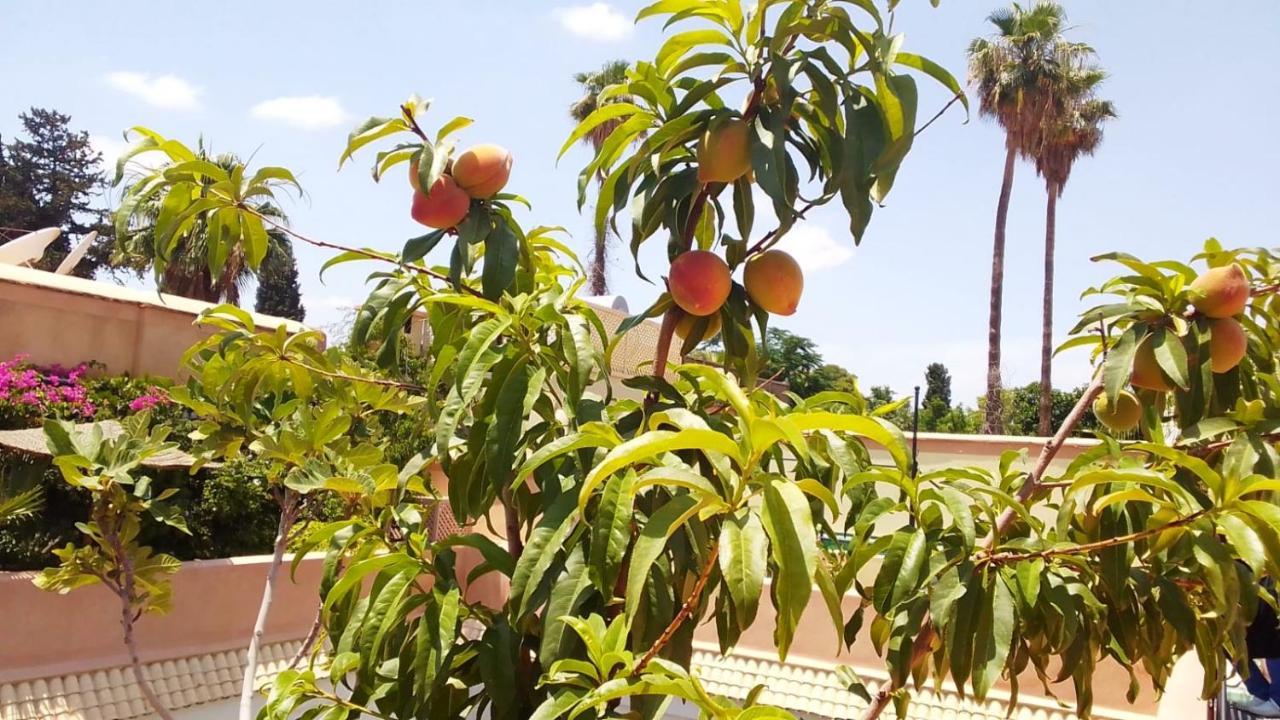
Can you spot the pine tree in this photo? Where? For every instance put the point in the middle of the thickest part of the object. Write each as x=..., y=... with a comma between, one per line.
x=49, y=179
x=278, y=291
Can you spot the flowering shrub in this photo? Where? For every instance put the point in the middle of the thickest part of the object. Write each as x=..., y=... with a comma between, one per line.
x=29, y=393
x=151, y=399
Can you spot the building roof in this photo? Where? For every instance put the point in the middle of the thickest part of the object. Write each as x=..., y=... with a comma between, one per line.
x=120, y=293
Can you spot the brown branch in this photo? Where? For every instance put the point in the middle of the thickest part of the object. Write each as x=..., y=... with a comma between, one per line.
x=127, y=618
x=1013, y=556
x=1031, y=485
x=353, y=378
x=515, y=544
x=310, y=640
x=685, y=610
x=411, y=267
x=761, y=243
x=938, y=114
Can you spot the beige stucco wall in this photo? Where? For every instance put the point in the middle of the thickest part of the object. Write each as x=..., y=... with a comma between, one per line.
x=57, y=319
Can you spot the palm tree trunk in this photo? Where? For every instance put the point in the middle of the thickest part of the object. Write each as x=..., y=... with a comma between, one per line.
x=993, y=424
x=597, y=279
x=1046, y=332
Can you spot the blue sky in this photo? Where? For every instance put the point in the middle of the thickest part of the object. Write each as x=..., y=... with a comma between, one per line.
x=1193, y=154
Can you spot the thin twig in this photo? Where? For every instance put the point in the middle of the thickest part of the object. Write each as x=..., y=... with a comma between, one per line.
x=685, y=610
x=761, y=243
x=1015, y=556
x=937, y=115
x=310, y=640
x=411, y=267
x=354, y=378
x=288, y=513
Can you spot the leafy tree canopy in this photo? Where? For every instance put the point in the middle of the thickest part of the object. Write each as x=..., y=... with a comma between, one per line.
x=49, y=177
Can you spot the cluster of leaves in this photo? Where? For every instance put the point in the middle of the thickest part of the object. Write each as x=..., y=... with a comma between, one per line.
x=828, y=118
x=110, y=470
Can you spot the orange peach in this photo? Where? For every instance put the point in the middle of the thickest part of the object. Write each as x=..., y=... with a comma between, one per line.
x=1146, y=369
x=1221, y=292
x=699, y=282
x=444, y=207
x=1227, y=344
x=724, y=153
x=774, y=281
x=482, y=170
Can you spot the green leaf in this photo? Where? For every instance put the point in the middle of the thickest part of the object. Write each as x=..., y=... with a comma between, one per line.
x=369, y=131
x=1119, y=363
x=501, y=253
x=935, y=71
x=650, y=445
x=611, y=531
x=605, y=113
x=653, y=539
x=1171, y=356
x=878, y=431
x=743, y=561
x=996, y=624
x=794, y=548
x=1248, y=546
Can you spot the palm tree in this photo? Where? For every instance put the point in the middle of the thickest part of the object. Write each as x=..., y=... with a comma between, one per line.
x=593, y=85
x=1073, y=130
x=187, y=272
x=1012, y=71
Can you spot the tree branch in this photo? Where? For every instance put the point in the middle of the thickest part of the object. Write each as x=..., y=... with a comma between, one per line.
x=1014, y=556
x=419, y=269
x=685, y=610
x=126, y=594
x=288, y=514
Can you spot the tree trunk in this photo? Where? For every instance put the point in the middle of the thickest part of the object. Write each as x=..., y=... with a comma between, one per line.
x=126, y=593
x=288, y=513
x=993, y=423
x=598, y=280
x=1046, y=331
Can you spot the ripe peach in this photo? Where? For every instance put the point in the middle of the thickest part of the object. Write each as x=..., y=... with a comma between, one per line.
x=1221, y=292
x=774, y=281
x=699, y=282
x=1227, y=344
x=687, y=323
x=444, y=207
x=1146, y=369
x=1121, y=416
x=724, y=154
x=482, y=170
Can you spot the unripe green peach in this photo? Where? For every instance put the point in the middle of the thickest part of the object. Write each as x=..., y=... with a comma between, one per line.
x=687, y=324
x=774, y=281
x=1221, y=292
x=699, y=282
x=724, y=154
x=1122, y=415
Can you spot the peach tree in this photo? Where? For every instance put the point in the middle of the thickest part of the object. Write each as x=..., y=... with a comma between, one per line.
x=616, y=525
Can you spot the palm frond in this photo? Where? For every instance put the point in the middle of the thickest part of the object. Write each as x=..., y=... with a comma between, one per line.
x=14, y=506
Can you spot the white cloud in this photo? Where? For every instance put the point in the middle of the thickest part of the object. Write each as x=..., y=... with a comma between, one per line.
x=312, y=112
x=814, y=248
x=812, y=245
x=598, y=21
x=164, y=91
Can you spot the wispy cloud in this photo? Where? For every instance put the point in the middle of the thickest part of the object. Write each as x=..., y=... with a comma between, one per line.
x=598, y=21
x=163, y=91
x=312, y=112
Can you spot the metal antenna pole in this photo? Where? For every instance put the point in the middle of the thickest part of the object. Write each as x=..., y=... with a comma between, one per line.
x=915, y=435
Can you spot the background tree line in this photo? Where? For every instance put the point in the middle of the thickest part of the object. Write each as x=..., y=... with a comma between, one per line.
x=51, y=176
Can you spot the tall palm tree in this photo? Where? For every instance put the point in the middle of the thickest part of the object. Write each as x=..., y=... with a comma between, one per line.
x=593, y=84
x=1072, y=130
x=187, y=272
x=1012, y=71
